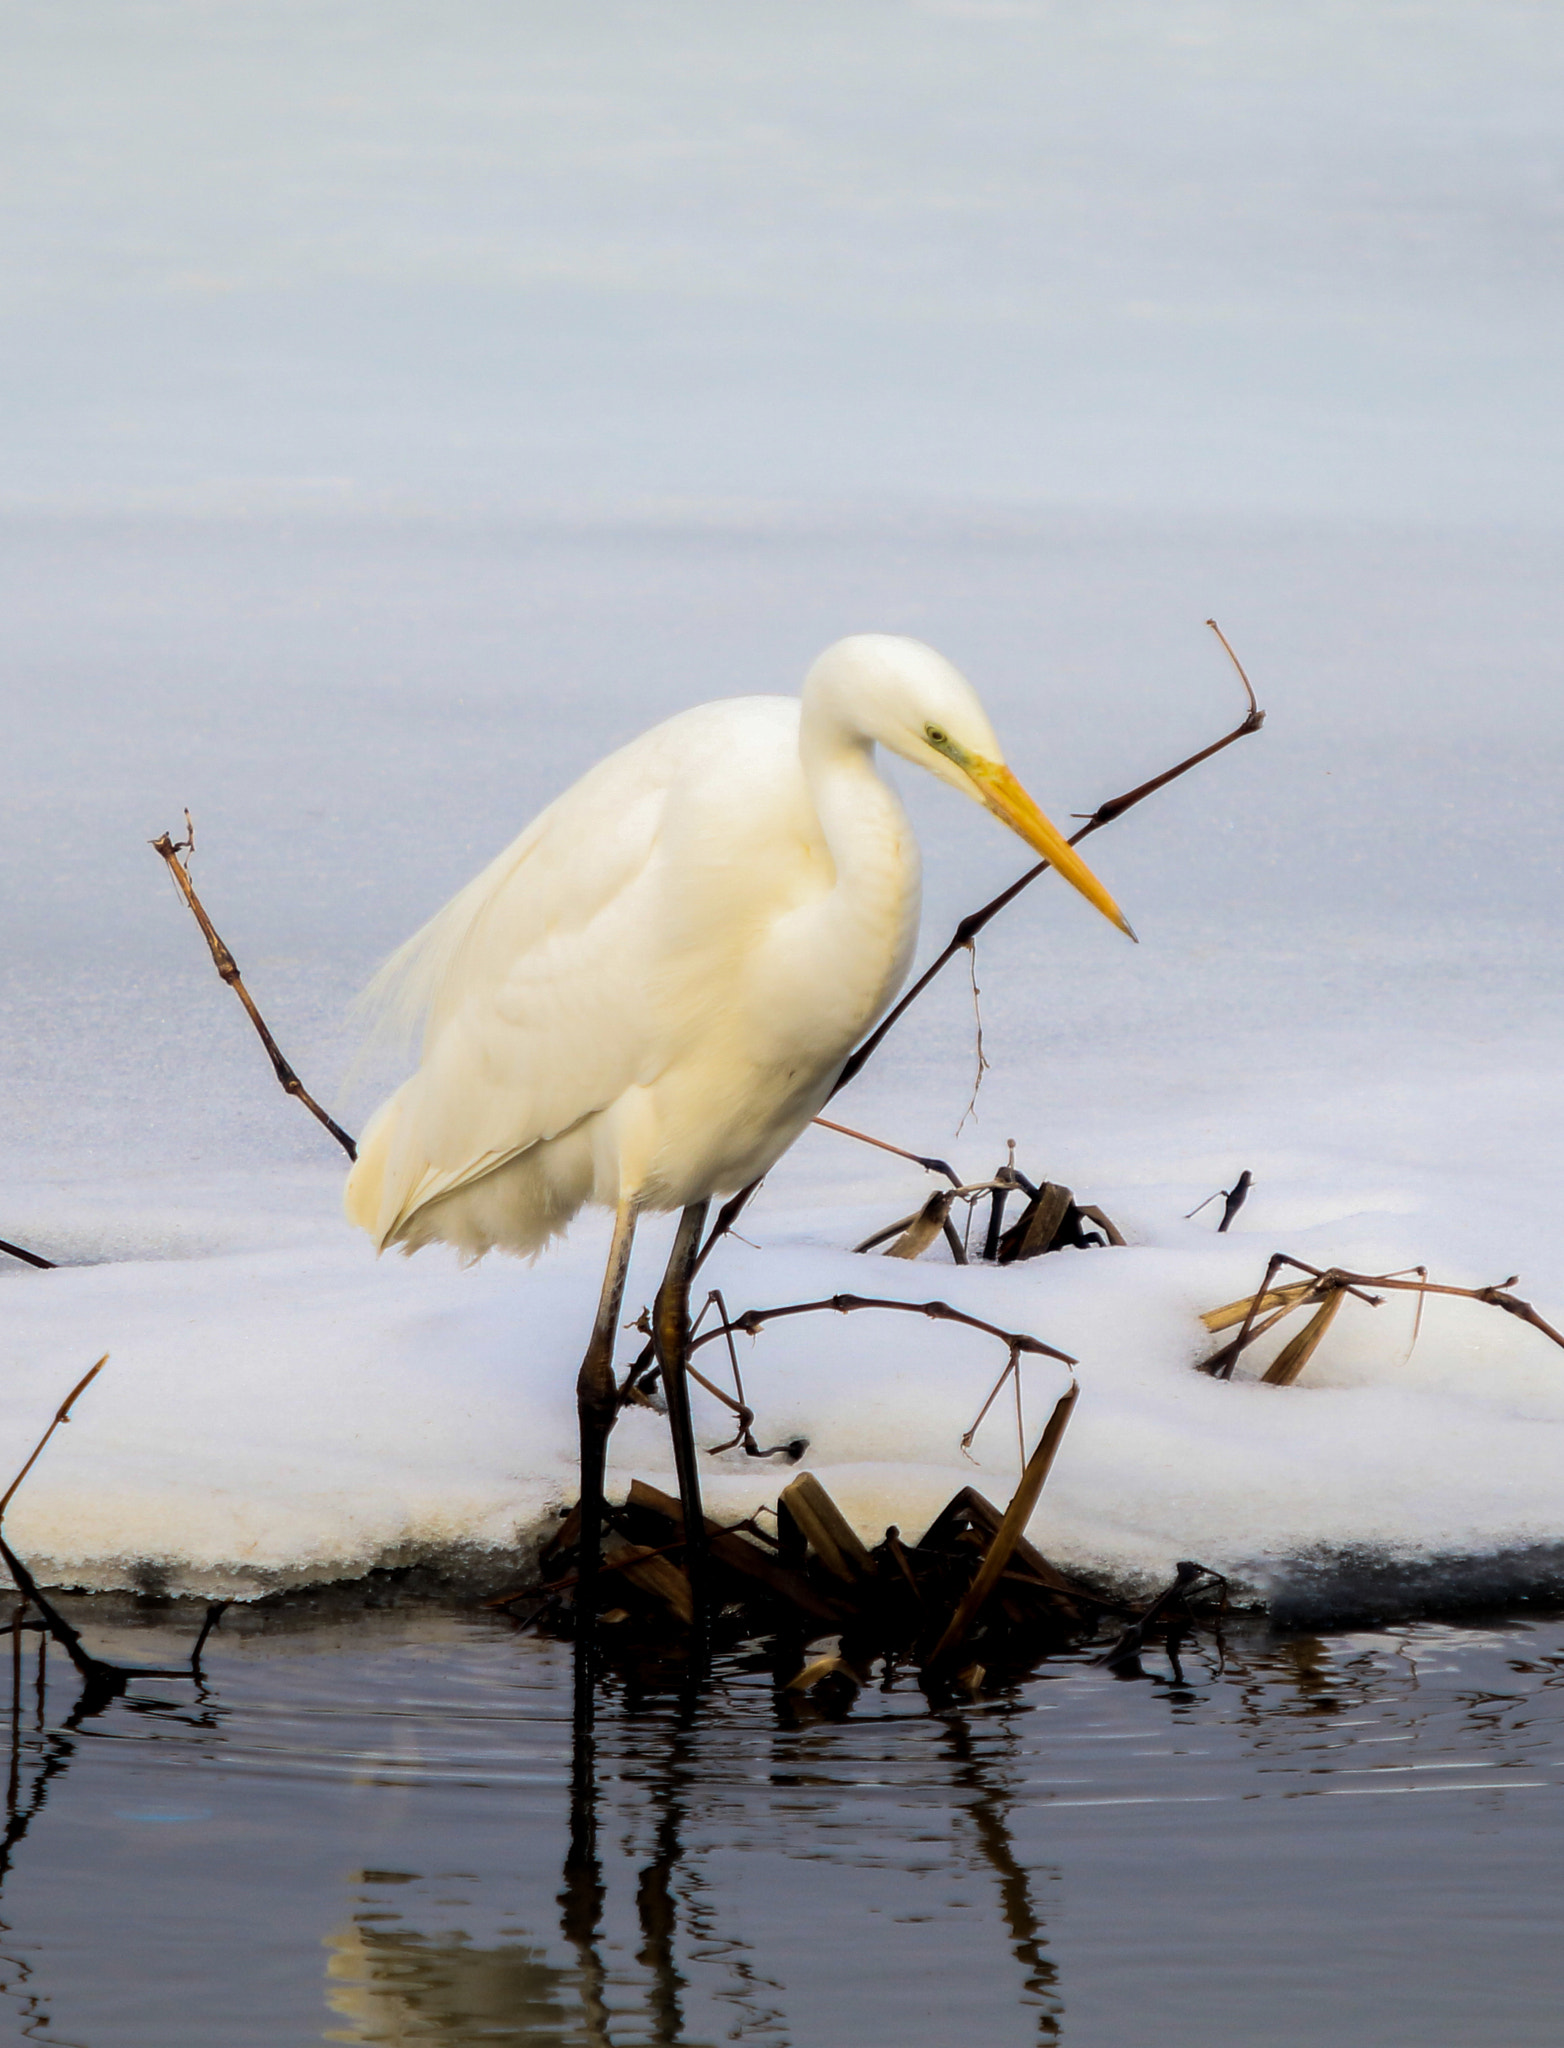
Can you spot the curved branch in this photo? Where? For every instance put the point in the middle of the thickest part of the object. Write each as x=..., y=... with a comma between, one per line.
x=844, y=1304
x=1105, y=813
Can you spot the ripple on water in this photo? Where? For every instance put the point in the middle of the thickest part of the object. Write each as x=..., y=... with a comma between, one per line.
x=365, y=1833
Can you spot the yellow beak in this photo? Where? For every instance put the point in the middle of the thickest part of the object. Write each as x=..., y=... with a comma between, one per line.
x=1008, y=801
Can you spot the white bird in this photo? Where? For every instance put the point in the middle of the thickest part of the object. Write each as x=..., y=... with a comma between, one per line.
x=647, y=997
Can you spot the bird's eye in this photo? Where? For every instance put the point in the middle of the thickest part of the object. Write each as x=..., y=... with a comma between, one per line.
x=935, y=736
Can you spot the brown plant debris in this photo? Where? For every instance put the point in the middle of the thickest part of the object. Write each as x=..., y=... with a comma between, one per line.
x=1324, y=1290
x=1051, y=1220
x=971, y=1603
x=1172, y=1613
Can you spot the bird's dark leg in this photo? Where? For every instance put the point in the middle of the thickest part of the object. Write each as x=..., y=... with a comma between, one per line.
x=596, y=1402
x=671, y=1336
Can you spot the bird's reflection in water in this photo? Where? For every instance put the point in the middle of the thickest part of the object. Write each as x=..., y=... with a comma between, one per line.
x=394, y=1984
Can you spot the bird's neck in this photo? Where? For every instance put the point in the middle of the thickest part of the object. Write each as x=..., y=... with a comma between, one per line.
x=868, y=834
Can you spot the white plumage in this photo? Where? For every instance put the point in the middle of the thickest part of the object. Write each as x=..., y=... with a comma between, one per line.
x=650, y=993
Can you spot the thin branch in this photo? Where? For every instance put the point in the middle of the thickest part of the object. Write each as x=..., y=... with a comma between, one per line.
x=227, y=967
x=917, y=1158
x=1012, y=1365
x=982, y=1057
x=844, y=1304
x=792, y=1450
x=15, y=1251
x=1104, y=814
x=727, y=1216
x=61, y=1414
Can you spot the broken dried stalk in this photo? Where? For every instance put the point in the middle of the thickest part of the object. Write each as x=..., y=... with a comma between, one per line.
x=736, y=1553
x=830, y=1535
x=1282, y=1298
x=1296, y=1353
x=1011, y=1529
x=1326, y=1286
x=921, y=1231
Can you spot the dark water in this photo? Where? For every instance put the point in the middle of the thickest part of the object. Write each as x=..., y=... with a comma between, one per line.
x=359, y=1832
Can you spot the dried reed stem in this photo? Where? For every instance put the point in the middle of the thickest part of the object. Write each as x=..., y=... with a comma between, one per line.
x=1011, y=1528
x=1326, y=1286
x=228, y=969
x=1296, y=1353
x=929, y=1165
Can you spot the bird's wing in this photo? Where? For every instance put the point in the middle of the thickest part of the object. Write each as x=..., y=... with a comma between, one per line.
x=535, y=982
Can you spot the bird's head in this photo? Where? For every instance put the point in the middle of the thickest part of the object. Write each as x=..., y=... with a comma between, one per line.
x=913, y=701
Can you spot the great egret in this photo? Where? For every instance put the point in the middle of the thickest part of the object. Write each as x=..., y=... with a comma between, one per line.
x=643, y=1001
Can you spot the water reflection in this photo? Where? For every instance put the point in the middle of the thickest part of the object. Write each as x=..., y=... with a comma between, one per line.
x=399, y=1987
x=39, y=1755
x=393, y=1824
x=397, y=1983
x=987, y=1806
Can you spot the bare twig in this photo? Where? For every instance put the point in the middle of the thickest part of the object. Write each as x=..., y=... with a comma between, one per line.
x=61, y=1414
x=793, y=1450
x=1012, y=1365
x=1104, y=814
x=1232, y=1200
x=929, y=1165
x=727, y=1216
x=844, y=1304
x=227, y=967
x=977, y=1024
x=15, y=1251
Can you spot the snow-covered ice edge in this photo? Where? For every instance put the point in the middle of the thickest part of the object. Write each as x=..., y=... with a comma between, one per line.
x=296, y=1414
